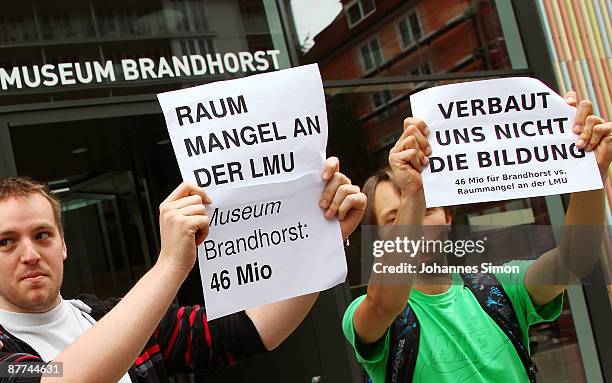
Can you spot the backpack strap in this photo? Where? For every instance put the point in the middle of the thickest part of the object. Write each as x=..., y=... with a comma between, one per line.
x=494, y=301
x=405, y=332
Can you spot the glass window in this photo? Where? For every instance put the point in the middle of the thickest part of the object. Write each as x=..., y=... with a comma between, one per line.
x=371, y=55
x=358, y=10
x=383, y=105
x=409, y=28
x=354, y=14
x=415, y=24
x=367, y=6
x=381, y=98
x=421, y=69
x=367, y=58
x=426, y=68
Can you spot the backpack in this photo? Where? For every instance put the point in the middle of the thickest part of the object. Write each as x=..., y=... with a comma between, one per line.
x=489, y=293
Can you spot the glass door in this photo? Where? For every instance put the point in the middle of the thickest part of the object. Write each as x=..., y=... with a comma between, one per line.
x=110, y=175
x=97, y=218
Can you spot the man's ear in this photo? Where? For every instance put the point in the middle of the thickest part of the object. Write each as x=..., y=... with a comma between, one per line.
x=64, y=249
x=449, y=216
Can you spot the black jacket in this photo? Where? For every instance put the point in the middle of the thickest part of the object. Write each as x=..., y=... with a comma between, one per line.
x=184, y=341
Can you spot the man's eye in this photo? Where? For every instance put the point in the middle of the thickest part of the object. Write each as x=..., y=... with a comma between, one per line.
x=5, y=242
x=42, y=235
x=390, y=220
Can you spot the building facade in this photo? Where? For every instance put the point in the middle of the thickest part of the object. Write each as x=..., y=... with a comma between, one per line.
x=78, y=110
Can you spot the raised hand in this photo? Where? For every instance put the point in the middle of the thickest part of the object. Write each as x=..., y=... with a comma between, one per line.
x=340, y=198
x=409, y=155
x=595, y=133
x=183, y=223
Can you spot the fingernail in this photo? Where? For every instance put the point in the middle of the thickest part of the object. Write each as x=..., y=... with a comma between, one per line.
x=580, y=143
x=428, y=150
x=426, y=131
x=577, y=129
x=571, y=99
x=324, y=204
x=325, y=175
x=426, y=161
x=328, y=214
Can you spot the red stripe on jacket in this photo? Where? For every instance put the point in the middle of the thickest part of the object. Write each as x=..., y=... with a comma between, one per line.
x=191, y=321
x=147, y=355
x=170, y=345
x=206, y=331
x=26, y=357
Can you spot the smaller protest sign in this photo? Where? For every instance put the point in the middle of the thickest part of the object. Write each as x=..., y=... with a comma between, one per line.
x=501, y=139
x=257, y=145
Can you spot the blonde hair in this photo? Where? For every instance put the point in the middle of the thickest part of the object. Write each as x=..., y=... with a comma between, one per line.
x=24, y=187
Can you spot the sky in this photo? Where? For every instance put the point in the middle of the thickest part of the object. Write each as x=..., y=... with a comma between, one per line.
x=312, y=16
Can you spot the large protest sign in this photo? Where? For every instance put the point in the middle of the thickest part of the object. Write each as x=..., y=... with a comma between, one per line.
x=257, y=145
x=500, y=139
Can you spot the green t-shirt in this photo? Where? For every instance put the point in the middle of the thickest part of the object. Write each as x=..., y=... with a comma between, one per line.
x=459, y=342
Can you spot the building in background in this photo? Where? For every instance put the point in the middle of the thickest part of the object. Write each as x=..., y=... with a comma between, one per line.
x=405, y=38
x=78, y=109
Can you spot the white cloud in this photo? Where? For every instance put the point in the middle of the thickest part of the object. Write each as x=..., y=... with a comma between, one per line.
x=312, y=16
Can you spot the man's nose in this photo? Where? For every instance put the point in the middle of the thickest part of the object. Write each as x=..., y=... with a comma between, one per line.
x=29, y=253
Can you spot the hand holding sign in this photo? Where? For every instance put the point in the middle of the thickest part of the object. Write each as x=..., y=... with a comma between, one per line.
x=409, y=155
x=183, y=223
x=595, y=132
x=347, y=201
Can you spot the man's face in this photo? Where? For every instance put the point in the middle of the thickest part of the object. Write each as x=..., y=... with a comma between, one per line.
x=32, y=254
x=435, y=221
x=387, y=201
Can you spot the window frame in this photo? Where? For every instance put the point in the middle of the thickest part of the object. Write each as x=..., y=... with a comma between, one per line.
x=368, y=43
x=385, y=110
x=357, y=3
x=419, y=67
x=398, y=31
x=385, y=102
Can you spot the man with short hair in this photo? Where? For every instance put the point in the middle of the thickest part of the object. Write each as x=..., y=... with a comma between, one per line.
x=142, y=334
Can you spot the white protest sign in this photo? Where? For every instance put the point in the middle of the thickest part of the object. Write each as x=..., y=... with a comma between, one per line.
x=257, y=145
x=500, y=139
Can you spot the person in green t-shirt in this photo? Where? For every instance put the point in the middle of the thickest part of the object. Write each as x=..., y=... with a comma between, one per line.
x=459, y=341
